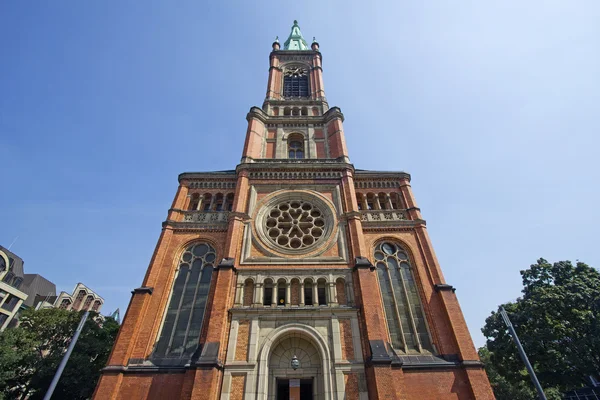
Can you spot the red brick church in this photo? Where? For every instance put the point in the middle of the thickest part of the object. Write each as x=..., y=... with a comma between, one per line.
x=294, y=276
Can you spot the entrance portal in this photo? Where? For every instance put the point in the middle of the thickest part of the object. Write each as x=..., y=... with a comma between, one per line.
x=283, y=389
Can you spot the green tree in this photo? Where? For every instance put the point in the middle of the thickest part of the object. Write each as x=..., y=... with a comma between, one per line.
x=557, y=320
x=30, y=354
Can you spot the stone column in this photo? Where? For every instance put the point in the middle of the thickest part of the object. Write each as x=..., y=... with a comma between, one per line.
x=302, y=294
x=212, y=202
x=288, y=294
x=332, y=294
x=200, y=202
x=388, y=201
x=274, y=295
x=258, y=293
x=315, y=294
x=377, y=204
x=239, y=294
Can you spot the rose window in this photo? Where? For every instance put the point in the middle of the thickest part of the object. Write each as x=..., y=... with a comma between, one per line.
x=294, y=224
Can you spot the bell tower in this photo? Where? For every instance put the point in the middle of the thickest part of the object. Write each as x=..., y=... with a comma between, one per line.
x=294, y=275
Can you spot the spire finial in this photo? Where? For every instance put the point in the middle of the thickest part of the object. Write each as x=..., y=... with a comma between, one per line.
x=295, y=41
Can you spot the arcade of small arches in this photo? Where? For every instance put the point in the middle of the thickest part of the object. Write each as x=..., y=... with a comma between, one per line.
x=211, y=202
x=295, y=111
x=294, y=292
x=83, y=301
x=381, y=201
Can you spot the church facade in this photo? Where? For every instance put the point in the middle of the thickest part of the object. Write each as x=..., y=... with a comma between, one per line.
x=294, y=276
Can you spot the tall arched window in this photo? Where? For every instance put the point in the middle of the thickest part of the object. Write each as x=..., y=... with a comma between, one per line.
x=296, y=146
x=401, y=301
x=185, y=312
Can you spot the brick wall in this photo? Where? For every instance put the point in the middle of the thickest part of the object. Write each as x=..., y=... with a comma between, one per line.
x=351, y=386
x=238, y=383
x=241, y=350
x=346, y=340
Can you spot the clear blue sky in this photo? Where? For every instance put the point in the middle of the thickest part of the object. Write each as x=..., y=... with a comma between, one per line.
x=493, y=107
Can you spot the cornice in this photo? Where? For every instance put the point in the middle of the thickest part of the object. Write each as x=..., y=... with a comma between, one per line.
x=333, y=113
x=361, y=174
x=288, y=164
x=257, y=113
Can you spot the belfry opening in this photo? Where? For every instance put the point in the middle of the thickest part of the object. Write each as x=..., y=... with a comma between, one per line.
x=294, y=275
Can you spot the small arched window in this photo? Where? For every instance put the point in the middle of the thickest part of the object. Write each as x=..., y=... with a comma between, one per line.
x=403, y=310
x=183, y=321
x=64, y=304
x=79, y=299
x=2, y=264
x=194, y=202
x=296, y=147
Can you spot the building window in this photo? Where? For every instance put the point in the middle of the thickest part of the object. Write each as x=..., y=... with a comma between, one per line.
x=281, y=294
x=2, y=264
x=322, y=293
x=402, y=304
x=295, y=82
x=308, y=294
x=268, y=293
x=185, y=312
x=64, y=304
x=194, y=202
x=79, y=299
x=10, y=303
x=296, y=147
x=8, y=277
x=3, y=318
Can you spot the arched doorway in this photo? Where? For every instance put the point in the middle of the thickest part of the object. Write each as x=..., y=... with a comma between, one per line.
x=275, y=368
x=308, y=375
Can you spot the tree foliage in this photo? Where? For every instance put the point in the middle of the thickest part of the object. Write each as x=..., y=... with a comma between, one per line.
x=557, y=320
x=31, y=352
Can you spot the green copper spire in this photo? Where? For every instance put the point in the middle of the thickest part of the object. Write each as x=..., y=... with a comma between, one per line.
x=295, y=41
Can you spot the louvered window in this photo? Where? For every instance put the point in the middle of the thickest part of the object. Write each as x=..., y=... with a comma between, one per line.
x=295, y=86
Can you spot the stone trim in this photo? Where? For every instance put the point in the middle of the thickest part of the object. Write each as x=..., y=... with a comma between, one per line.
x=444, y=287
x=363, y=262
x=226, y=263
x=143, y=290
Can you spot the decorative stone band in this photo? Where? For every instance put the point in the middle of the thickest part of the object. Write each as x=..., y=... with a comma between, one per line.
x=383, y=215
x=207, y=217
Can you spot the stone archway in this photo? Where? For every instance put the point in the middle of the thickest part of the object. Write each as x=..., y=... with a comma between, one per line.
x=275, y=356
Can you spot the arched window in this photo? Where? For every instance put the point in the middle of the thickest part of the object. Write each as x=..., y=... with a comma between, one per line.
x=88, y=301
x=268, y=293
x=185, y=312
x=308, y=292
x=79, y=299
x=2, y=264
x=229, y=201
x=96, y=305
x=322, y=292
x=295, y=82
x=296, y=146
x=207, y=202
x=340, y=290
x=194, y=202
x=295, y=292
x=64, y=304
x=401, y=301
x=248, y=293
